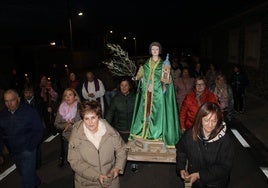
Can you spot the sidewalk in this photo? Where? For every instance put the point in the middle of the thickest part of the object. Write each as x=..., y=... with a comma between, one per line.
x=255, y=117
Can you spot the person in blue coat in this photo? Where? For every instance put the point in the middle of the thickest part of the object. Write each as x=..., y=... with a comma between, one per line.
x=21, y=131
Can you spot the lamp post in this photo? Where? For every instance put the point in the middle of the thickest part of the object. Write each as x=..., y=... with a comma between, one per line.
x=106, y=37
x=135, y=45
x=124, y=42
x=106, y=40
x=71, y=34
x=110, y=36
x=71, y=28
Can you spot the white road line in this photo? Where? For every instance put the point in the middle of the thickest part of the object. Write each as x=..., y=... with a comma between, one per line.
x=51, y=138
x=240, y=138
x=13, y=167
x=7, y=171
x=265, y=171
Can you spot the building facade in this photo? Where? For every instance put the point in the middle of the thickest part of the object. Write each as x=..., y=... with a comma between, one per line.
x=241, y=39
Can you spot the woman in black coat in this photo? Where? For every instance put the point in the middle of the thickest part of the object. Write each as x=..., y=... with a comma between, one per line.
x=205, y=152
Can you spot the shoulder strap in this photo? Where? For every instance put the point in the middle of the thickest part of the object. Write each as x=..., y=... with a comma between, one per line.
x=85, y=85
x=97, y=85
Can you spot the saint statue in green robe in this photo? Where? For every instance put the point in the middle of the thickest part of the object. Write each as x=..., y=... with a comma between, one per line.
x=155, y=114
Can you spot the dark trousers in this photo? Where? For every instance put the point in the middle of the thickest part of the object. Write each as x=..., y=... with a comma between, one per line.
x=239, y=99
x=26, y=164
x=38, y=156
x=49, y=120
x=64, y=149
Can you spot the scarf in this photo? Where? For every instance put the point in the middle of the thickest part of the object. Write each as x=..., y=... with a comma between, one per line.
x=217, y=137
x=95, y=138
x=96, y=83
x=97, y=86
x=68, y=112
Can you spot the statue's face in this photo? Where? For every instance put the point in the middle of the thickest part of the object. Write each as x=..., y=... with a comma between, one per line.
x=155, y=50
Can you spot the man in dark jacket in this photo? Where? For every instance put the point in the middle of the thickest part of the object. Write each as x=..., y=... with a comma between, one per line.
x=239, y=81
x=21, y=131
x=30, y=98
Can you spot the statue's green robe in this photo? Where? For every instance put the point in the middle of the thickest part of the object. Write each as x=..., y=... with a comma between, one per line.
x=162, y=122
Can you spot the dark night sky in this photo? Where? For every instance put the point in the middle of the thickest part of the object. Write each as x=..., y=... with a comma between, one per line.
x=172, y=21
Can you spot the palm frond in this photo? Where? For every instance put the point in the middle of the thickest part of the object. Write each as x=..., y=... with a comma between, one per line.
x=119, y=64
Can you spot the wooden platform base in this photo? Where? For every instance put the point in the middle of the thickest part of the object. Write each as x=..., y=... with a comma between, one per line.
x=150, y=151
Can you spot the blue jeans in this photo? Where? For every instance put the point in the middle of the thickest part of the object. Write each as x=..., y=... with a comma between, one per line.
x=25, y=163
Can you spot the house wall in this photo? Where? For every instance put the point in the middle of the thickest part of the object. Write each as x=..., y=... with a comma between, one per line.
x=241, y=39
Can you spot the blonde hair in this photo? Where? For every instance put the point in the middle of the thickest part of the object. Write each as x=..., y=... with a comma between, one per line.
x=76, y=96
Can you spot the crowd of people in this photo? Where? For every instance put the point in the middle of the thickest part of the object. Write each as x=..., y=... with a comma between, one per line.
x=189, y=111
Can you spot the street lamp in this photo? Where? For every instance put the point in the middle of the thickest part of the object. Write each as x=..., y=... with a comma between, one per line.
x=71, y=34
x=106, y=40
x=124, y=42
x=71, y=30
x=52, y=43
x=135, y=45
x=80, y=13
x=106, y=36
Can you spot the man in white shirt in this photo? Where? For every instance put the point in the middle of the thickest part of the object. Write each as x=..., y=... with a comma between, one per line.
x=93, y=89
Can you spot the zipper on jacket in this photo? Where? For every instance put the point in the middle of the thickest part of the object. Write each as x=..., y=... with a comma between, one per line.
x=99, y=161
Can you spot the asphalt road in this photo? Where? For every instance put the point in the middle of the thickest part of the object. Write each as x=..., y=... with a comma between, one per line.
x=246, y=171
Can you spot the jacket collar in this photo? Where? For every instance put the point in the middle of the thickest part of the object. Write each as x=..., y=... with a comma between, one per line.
x=82, y=136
